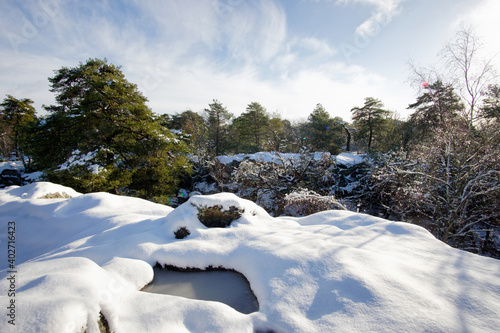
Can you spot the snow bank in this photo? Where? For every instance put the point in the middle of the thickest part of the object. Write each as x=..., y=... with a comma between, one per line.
x=270, y=157
x=350, y=158
x=39, y=190
x=12, y=165
x=274, y=157
x=334, y=271
x=18, y=165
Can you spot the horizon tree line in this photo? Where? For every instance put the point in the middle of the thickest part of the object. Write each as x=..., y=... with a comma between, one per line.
x=101, y=116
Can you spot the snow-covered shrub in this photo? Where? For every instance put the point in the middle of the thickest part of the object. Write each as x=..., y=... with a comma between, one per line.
x=220, y=172
x=267, y=177
x=319, y=171
x=182, y=232
x=103, y=324
x=217, y=217
x=251, y=175
x=277, y=174
x=56, y=195
x=451, y=183
x=305, y=202
x=351, y=176
x=269, y=200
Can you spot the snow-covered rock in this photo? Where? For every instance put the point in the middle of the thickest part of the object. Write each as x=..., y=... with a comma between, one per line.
x=335, y=271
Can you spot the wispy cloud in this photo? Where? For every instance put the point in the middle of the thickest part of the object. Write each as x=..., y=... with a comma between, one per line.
x=382, y=14
x=317, y=46
x=183, y=54
x=233, y=29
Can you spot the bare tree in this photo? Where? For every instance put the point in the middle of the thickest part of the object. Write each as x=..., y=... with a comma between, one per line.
x=469, y=69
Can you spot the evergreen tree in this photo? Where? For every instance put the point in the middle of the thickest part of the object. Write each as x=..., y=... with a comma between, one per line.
x=436, y=107
x=188, y=121
x=391, y=135
x=189, y=125
x=277, y=140
x=322, y=132
x=217, y=119
x=490, y=113
x=369, y=118
x=253, y=128
x=491, y=104
x=104, y=135
x=15, y=116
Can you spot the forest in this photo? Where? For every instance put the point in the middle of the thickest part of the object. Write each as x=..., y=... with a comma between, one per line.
x=440, y=167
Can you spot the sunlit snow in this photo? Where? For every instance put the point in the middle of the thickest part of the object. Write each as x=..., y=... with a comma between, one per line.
x=335, y=271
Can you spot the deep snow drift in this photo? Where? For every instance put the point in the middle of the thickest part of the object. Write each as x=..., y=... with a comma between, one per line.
x=335, y=271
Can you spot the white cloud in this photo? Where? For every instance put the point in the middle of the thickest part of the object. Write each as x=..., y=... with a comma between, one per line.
x=485, y=22
x=255, y=33
x=317, y=46
x=383, y=13
x=240, y=30
x=337, y=86
x=183, y=54
x=25, y=76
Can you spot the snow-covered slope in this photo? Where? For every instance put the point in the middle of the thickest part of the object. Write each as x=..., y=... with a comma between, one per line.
x=334, y=271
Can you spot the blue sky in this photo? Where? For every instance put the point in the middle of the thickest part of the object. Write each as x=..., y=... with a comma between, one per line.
x=286, y=55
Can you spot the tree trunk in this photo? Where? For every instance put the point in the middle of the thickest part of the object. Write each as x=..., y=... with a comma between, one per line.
x=370, y=138
x=348, y=144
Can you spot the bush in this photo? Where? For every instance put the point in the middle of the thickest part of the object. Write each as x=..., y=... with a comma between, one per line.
x=103, y=324
x=216, y=217
x=56, y=195
x=305, y=202
x=182, y=232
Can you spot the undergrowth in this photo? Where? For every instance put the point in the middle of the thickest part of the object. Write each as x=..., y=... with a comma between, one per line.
x=216, y=217
x=56, y=195
x=182, y=232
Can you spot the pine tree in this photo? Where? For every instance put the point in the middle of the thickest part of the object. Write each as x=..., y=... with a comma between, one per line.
x=322, y=132
x=436, y=107
x=369, y=118
x=15, y=116
x=104, y=135
x=253, y=127
x=491, y=104
x=277, y=140
x=217, y=118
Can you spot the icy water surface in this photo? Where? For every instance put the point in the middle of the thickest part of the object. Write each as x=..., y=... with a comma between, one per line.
x=228, y=287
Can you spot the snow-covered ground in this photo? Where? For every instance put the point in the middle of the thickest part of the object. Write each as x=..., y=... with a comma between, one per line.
x=350, y=158
x=275, y=157
x=14, y=165
x=335, y=271
x=18, y=165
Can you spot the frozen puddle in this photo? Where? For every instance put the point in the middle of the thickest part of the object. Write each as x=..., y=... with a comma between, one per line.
x=228, y=287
